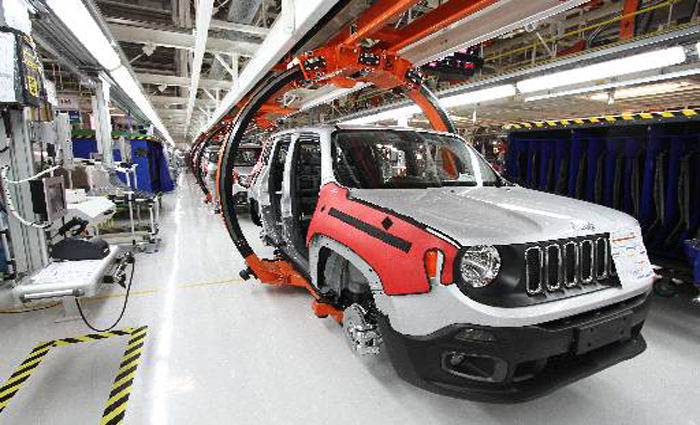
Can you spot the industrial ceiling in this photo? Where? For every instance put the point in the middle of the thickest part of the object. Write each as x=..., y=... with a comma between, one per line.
x=159, y=39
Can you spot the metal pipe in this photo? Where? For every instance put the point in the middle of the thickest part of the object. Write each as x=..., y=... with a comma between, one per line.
x=376, y=18
x=579, y=30
x=442, y=17
x=51, y=294
x=9, y=259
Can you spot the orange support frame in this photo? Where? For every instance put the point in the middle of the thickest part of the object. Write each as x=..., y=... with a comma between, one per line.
x=442, y=17
x=372, y=20
x=336, y=63
x=627, y=24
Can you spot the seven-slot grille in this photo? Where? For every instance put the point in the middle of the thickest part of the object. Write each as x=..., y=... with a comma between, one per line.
x=560, y=265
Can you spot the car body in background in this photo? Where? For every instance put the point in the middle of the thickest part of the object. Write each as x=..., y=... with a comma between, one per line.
x=246, y=160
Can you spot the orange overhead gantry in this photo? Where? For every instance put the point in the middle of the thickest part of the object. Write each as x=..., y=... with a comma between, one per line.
x=344, y=61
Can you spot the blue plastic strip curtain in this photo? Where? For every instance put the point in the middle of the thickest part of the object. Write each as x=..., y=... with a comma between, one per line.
x=166, y=181
x=653, y=175
x=533, y=163
x=516, y=160
x=614, y=171
x=561, y=166
x=595, y=170
x=671, y=210
x=511, y=170
x=577, y=164
x=633, y=159
x=655, y=147
x=139, y=156
x=695, y=189
x=692, y=251
x=547, y=155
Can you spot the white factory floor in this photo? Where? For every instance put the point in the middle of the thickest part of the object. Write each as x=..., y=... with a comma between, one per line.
x=223, y=351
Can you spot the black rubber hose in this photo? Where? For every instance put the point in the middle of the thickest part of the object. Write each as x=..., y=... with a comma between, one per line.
x=228, y=156
x=435, y=102
x=121, y=314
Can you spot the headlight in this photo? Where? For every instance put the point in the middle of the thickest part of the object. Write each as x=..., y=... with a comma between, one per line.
x=480, y=265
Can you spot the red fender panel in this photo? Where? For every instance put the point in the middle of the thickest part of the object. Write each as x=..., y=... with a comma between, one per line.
x=393, y=246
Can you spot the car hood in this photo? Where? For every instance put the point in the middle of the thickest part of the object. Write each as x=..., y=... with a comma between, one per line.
x=498, y=215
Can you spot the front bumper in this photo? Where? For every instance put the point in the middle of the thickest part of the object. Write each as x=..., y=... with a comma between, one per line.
x=518, y=364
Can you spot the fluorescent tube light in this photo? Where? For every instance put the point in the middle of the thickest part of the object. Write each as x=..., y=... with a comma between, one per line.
x=78, y=19
x=589, y=89
x=631, y=64
x=649, y=90
x=477, y=96
x=492, y=93
x=395, y=114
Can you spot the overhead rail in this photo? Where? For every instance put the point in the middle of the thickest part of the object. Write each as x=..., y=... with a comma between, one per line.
x=497, y=87
x=440, y=35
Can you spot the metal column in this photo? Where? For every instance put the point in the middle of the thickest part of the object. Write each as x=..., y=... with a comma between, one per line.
x=28, y=244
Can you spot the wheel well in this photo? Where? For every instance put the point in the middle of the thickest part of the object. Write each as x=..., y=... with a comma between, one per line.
x=340, y=281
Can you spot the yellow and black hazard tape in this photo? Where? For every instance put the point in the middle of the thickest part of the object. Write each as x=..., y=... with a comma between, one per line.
x=115, y=409
x=23, y=372
x=605, y=119
x=121, y=389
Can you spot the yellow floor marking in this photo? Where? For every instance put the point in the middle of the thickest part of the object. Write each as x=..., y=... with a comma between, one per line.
x=155, y=291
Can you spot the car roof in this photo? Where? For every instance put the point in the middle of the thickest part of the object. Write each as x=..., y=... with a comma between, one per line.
x=365, y=127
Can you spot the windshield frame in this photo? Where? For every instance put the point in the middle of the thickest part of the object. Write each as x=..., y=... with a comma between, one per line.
x=477, y=161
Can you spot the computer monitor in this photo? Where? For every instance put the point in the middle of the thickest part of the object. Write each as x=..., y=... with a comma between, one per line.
x=49, y=198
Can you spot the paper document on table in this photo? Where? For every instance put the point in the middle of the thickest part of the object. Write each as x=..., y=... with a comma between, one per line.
x=630, y=255
x=68, y=271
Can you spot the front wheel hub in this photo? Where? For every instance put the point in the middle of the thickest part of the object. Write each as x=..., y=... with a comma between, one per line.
x=362, y=337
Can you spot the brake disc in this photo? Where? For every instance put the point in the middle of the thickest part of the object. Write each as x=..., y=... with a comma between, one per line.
x=362, y=337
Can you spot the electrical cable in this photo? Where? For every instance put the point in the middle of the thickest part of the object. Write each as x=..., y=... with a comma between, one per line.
x=9, y=204
x=126, y=301
x=34, y=177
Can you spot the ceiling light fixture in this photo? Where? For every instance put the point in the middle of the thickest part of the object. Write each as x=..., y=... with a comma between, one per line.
x=478, y=96
x=648, y=90
x=600, y=87
x=469, y=98
x=84, y=27
x=613, y=68
x=391, y=114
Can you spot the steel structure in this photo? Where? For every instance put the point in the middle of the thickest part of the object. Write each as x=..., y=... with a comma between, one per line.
x=345, y=61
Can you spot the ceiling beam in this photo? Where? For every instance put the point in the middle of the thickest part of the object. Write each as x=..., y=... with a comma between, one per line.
x=204, y=11
x=178, y=39
x=177, y=100
x=296, y=19
x=232, y=70
x=486, y=24
x=232, y=26
x=172, y=80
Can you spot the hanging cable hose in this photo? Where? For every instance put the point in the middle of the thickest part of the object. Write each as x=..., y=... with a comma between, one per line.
x=34, y=177
x=131, y=260
x=10, y=206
